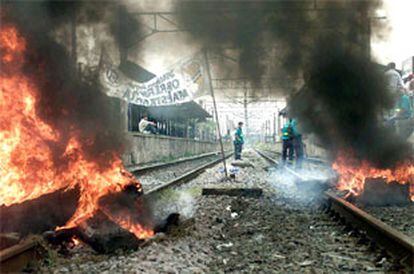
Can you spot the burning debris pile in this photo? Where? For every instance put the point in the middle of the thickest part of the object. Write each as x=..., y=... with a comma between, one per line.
x=59, y=141
x=360, y=178
x=342, y=102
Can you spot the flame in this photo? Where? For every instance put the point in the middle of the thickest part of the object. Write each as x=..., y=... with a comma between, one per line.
x=75, y=241
x=127, y=223
x=25, y=160
x=353, y=172
x=27, y=170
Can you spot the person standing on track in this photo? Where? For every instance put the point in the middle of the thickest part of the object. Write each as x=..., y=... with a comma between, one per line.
x=287, y=141
x=297, y=144
x=238, y=141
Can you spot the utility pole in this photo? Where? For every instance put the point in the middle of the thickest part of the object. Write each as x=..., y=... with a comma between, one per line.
x=215, y=110
x=123, y=57
x=123, y=49
x=245, y=111
x=74, y=52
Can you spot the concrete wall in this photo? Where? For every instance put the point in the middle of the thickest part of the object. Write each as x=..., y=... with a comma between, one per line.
x=145, y=148
x=313, y=148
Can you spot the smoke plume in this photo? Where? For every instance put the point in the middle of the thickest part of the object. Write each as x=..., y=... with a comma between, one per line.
x=72, y=107
x=323, y=44
x=342, y=103
x=220, y=25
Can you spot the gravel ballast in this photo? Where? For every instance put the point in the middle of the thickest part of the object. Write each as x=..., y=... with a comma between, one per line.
x=285, y=231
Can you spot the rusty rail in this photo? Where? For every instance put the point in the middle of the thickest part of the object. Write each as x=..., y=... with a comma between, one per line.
x=15, y=259
x=393, y=241
x=186, y=176
x=275, y=162
x=311, y=159
x=142, y=169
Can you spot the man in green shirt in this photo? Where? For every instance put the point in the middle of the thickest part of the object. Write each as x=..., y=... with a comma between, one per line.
x=404, y=107
x=288, y=134
x=238, y=141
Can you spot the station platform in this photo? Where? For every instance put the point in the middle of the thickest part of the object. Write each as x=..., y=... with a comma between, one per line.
x=149, y=148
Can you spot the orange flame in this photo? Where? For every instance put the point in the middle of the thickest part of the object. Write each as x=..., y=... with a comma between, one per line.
x=353, y=172
x=75, y=241
x=26, y=166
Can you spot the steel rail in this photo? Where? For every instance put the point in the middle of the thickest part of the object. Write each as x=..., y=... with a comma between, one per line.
x=275, y=162
x=393, y=241
x=308, y=159
x=186, y=176
x=140, y=170
x=15, y=258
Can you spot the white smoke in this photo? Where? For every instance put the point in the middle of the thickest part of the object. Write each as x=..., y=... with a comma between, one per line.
x=301, y=185
x=179, y=201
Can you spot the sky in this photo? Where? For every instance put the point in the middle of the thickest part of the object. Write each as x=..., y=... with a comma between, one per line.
x=398, y=45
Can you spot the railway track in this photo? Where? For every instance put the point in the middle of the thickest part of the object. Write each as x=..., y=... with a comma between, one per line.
x=308, y=159
x=138, y=170
x=17, y=257
x=277, y=233
x=155, y=178
x=186, y=176
x=391, y=240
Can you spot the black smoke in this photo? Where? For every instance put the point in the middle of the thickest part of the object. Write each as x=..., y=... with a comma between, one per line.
x=222, y=25
x=126, y=31
x=73, y=108
x=323, y=44
x=342, y=103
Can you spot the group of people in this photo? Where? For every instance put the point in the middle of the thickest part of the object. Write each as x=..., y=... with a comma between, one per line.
x=291, y=139
x=292, y=145
x=404, y=106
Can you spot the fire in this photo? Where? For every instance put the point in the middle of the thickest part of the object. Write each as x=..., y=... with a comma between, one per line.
x=353, y=172
x=26, y=166
x=75, y=241
x=27, y=170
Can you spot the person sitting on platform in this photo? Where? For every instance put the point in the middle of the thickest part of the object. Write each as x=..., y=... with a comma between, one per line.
x=146, y=126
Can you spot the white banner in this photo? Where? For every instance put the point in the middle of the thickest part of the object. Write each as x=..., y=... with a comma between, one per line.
x=182, y=83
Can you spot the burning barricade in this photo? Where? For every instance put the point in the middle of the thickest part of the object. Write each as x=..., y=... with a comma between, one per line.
x=100, y=203
x=375, y=186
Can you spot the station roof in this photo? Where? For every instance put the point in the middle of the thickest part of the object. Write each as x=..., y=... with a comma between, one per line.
x=184, y=111
x=135, y=72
